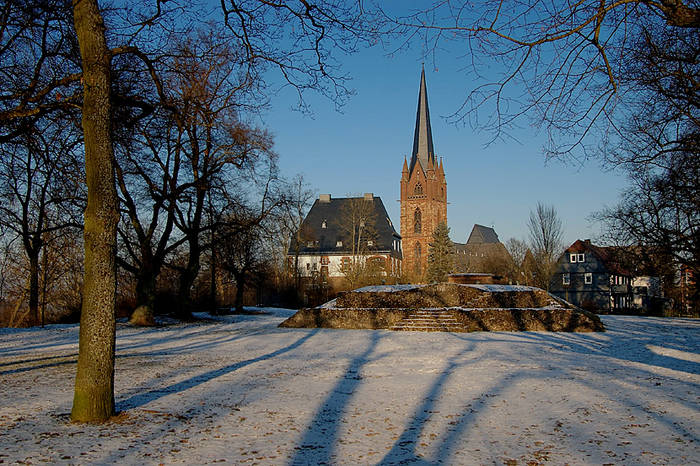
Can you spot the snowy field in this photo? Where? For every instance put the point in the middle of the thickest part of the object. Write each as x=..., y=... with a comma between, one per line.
x=240, y=390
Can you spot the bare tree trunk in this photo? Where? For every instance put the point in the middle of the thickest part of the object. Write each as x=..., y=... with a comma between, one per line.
x=212, y=289
x=94, y=383
x=34, y=285
x=240, y=288
x=187, y=277
x=44, y=281
x=146, y=279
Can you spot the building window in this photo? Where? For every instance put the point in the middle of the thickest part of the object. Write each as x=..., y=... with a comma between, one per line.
x=370, y=243
x=418, y=190
x=417, y=226
x=572, y=257
x=324, y=260
x=565, y=279
x=588, y=278
x=416, y=257
x=309, y=244
x=581, y=258
x=338, y=244
x=323, y=224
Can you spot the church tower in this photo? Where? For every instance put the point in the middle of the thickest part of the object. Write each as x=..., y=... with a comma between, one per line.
x=423, y=192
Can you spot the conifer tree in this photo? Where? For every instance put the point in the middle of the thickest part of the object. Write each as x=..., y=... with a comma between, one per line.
x=440, y=255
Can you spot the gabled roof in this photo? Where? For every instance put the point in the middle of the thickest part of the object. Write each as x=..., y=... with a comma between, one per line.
x=607, y=255
x=481, y=234
x=423, y=151
x=325, y=225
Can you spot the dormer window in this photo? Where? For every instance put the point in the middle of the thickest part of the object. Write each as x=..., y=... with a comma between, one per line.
x=309, y=244
x=323, y=223
x=338, y=244
x=370, y=243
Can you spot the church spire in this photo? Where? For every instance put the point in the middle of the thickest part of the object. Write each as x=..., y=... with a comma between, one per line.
x=423, y=136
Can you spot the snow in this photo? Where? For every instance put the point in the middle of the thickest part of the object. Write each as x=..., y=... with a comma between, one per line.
x=491, y=288
x=239, y=389
x=504, y=288
x=386, y=288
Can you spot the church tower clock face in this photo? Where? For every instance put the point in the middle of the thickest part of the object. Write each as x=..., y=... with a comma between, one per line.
x=423, y=192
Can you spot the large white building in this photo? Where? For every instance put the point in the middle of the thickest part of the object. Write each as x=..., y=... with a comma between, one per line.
x=338, y=231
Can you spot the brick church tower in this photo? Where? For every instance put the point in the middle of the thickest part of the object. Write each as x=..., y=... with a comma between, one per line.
x=423, y=192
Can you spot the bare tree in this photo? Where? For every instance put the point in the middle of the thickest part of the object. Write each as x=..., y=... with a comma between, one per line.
x=517, y=250
x=357, y=227
x=259, y=27
x=40, y=67
x=239, y=247
x=563, y=65
x=94, y=383
x=297, y=200
x=660, y=214
x=546, y=232
x=40, y=190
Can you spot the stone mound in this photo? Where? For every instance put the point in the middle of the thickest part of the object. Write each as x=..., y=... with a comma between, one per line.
x=448, y=307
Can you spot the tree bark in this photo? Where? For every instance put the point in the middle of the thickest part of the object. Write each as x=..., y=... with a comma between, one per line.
x=187, y=277
x=240, y=288
x=94, y=383
x=34, y=285
x=146, y=280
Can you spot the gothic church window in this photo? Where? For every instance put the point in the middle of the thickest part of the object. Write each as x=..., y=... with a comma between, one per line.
x=418, y=189
x=416, y=256
x=417, y=226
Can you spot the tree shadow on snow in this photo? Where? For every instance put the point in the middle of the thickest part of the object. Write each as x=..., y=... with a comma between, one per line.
x=141, y=399
x=321, y=437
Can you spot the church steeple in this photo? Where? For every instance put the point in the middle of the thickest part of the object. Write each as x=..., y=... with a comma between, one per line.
x=423, y=193
x=423, y=136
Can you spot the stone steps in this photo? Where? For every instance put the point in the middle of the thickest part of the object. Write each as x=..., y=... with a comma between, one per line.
x=429, y=320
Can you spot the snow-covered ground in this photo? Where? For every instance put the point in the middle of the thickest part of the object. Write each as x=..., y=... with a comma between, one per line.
x=242, y=390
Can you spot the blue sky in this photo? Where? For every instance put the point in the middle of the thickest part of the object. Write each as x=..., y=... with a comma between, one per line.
x=362, y=150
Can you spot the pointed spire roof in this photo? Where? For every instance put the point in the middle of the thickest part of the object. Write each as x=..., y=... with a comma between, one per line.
x=423, y=136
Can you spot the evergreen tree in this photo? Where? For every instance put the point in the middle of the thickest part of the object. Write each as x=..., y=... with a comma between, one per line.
x=440, y=255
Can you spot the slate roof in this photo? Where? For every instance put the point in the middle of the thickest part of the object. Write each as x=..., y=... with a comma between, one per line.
x=423, y=150
x=481, y=234
x=329, y=212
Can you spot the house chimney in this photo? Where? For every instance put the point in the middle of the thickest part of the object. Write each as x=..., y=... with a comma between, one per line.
x=324, y=198
x=369, y=196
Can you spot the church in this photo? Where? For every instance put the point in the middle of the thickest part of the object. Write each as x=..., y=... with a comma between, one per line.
x=423, y=192
x=328, y=245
